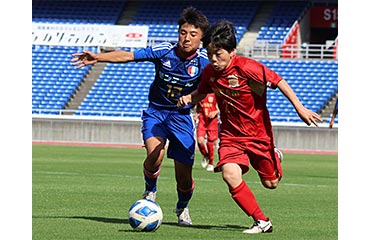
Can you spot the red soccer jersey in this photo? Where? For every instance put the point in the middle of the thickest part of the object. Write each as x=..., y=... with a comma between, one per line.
x=204, y=108
x=241, y=97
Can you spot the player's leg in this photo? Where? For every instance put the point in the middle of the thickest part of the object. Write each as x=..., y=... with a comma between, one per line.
x=278, y=159
x=181, y=148
x=154, y=137
x=234, y=163
x=244, y=197
x=185, y=188
x=201, y=134
x=212, y=136
x=152, y=165
x=201, y=145
x=268, y=165
x=240, y=192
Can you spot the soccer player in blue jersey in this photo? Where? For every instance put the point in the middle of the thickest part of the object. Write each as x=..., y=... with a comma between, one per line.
x=178, y=69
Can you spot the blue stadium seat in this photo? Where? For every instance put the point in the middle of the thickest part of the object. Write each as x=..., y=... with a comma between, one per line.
x=314, y=92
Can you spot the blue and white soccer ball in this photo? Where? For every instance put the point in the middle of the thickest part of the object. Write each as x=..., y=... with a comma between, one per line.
x=145, y=215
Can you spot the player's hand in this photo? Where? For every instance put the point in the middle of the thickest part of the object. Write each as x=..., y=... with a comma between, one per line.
x=83, y=59
x=212, y=114
x=183, y=101
x=331, y=123
x=309, y=117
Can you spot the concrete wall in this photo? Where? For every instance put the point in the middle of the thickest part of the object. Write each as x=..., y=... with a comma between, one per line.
x=127, y=131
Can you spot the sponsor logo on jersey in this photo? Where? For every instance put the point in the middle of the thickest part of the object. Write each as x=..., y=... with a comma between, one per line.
x=233, y=80
x=193, y=70
x=167, y=64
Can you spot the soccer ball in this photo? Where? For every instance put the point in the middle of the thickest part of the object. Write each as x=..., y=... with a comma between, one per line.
x=145, y=215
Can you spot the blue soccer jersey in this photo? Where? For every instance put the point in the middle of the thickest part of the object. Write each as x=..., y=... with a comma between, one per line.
x=174, y=77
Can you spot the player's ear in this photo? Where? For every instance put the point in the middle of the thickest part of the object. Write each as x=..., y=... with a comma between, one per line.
x=232, y=53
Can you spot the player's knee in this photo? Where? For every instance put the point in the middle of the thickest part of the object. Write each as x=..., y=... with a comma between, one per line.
x=230, y=178
x=270, y=184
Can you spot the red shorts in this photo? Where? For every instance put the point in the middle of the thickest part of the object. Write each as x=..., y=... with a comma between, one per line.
x=212, y=135
x=207, y=127
x=260, y=154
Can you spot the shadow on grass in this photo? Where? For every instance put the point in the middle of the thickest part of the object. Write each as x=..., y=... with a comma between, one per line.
x=125, y=221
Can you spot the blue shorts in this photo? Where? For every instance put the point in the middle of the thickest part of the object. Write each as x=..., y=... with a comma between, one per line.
x=177, y=127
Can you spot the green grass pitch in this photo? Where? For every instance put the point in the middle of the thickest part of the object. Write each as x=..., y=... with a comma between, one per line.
x=85, y=193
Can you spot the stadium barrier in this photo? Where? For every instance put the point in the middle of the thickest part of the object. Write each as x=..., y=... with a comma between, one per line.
x=108, y=130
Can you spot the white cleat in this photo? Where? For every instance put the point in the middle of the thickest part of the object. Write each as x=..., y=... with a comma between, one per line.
x=210, y=168
x=150, y=195
x=183, y=217
x=280, y=154
x=205, y=162
x=259, y=226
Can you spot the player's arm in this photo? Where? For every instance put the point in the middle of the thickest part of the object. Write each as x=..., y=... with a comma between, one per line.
x=214, y=114
x=305, y=114
x=196, y=112
x=192, y=98
x=334, y=114
x=88, y=58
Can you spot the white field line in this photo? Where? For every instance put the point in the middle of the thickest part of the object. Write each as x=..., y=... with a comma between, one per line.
x=161, y=177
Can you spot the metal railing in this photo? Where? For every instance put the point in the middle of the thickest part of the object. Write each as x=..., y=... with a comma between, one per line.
x=266, y=49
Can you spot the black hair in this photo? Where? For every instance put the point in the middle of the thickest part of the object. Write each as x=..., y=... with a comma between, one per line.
x=221, y=35
x=194, y=17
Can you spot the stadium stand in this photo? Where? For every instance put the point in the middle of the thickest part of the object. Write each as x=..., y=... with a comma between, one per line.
x=315, y=83
x=281, y=20
x=163, y=21
x=77, y=12
x=54, y=80
x=121, y=90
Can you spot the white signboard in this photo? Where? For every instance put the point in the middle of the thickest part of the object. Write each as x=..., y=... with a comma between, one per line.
x=89, y=35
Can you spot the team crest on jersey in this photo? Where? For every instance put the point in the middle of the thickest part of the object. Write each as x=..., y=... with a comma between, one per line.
x=193, y=70
x=233, y=80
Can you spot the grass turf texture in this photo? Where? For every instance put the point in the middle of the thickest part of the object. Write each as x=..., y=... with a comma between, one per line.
x=85, y=193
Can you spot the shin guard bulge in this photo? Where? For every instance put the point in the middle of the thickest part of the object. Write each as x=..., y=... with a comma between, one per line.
x=151, y=179
x=184, y=196
x=244, y=197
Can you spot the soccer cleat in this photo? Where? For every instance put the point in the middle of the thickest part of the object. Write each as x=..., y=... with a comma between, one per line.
x=280, y=154
x=259, y=226
x=210, y=168
x=183, y=217
x=205, y=162
x=150, y=195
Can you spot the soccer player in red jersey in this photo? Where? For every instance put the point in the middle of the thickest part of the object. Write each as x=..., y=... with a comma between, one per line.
x=207, y=128
x=246, y=136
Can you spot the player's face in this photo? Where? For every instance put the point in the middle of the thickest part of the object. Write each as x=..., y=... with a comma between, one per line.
x=189, y=39
x=219, y=58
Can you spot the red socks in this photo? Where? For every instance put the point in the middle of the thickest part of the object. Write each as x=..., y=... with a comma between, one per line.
x=244, y=197
x=202, y=149
x=211, y=151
